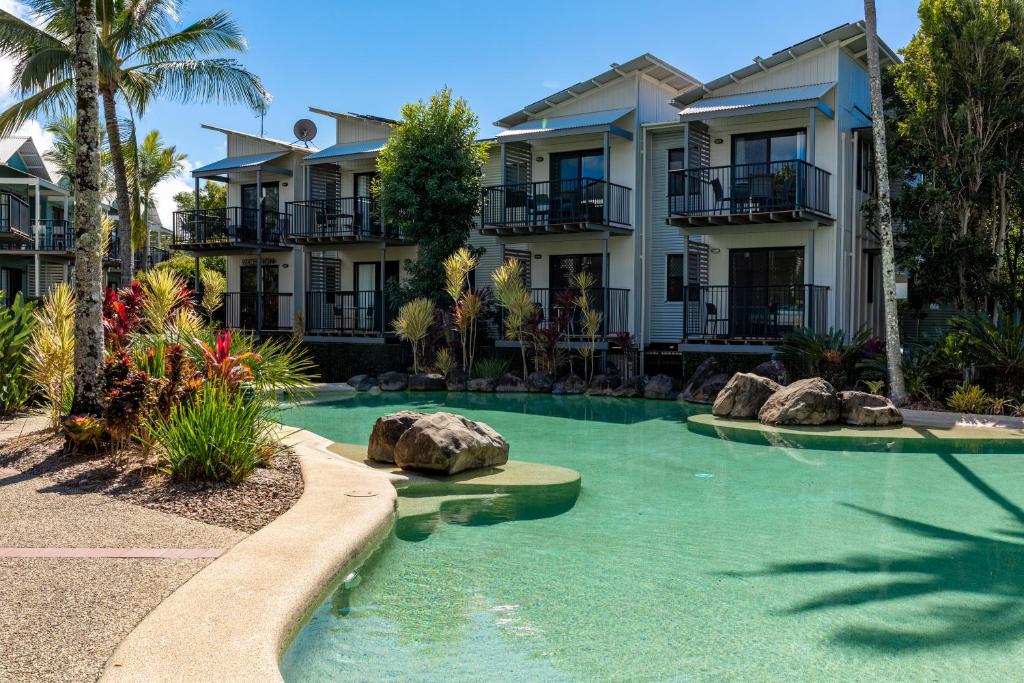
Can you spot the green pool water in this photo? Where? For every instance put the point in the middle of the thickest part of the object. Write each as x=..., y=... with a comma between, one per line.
x=684, y=557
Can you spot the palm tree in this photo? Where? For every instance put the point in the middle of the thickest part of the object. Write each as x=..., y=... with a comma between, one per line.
x=150, y=164
x=893, y=352
x=141, y=57
x=61, y=154
x=88, y=257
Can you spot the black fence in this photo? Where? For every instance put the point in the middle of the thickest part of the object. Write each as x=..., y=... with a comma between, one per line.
x=754, y=312
x=551, y=304
x=251, y=311
x=575, y=200
x=748, y=188
x=349, y=313
x=232, y=224
x=347, y=217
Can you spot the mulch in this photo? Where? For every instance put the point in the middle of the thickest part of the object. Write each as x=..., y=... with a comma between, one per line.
x=265, y=495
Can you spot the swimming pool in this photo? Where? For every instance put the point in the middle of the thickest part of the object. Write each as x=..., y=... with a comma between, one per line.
x=684, y=557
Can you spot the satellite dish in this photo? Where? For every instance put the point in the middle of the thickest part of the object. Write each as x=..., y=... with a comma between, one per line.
x=305, y=130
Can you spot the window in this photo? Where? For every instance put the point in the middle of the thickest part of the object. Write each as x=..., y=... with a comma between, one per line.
x=763, y=148
x=865, y=166
x=574, y=166
x=675, y=285
x=564, y=268
x=676, y=164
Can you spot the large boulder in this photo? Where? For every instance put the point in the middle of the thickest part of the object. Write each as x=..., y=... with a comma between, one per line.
x=393, y=381
x=481, y=384
x=806, y=402
x=362, y=382
x=632, y=387
x=604, y=385
x=863, y=409
x=510, y=384
x=540, y=382
x=744, y=395
x=773, y=370
x=705, y=371
x=708, y=391
x=571, y=384
x=427, y=382
x=387, y=430
x=661, y=387
x=456, y=380
x=449, y=444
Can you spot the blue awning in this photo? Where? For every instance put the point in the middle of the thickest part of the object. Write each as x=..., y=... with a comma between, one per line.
x=346, y=150
x=237, y=164
x=554, y=126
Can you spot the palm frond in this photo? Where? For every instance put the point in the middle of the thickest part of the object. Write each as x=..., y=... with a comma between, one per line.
x=218, y=80
x=54, y=99
x=207, y=36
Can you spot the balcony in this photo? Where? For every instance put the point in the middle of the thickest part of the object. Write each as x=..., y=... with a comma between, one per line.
x=346, y=313
x=752, y=314
x=566, y=206
x=228, y=229
x=267, y=312
x=553, y=304
x=349, y=219
x=774, y=192
x=15, y=219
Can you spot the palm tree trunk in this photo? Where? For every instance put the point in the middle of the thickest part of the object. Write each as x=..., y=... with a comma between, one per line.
x=893, y=350
x=124, y=204
x=88, y=397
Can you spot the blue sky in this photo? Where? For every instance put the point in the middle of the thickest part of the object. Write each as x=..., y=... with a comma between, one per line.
x=371, y=57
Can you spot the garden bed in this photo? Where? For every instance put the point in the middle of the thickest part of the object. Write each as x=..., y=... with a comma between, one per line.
x=262, y=497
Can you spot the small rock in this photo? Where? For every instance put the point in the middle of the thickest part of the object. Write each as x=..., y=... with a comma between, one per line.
x=707, y=369
x=449, y=443
x=773, y=370
x=540, y=382
x=387, y=430
x=570, y=385
x=744, y=395
x=630, y=388
x=362, y=382
x=708, y=392
x=374, y=391
x=604, y=385
x=427, y=382
x=456, y=380
x=661, y=387
x=483, y=384
x=510, y=384
x=863, y=409
x=805, y=402
x=393, y=381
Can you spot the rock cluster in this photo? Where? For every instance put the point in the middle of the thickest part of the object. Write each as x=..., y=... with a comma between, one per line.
x=439, y=442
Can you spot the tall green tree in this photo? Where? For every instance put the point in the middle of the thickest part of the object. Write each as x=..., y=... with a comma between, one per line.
x=89, y=347
x=211, y=196
x=429, y=184
x=958, y=106
x=143, y=55
x=150, y=163
x=61, y=154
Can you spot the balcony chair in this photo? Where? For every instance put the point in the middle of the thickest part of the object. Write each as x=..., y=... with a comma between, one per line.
x=761, y=191
x=712, y=320
x=721, y=201
x=540, y=209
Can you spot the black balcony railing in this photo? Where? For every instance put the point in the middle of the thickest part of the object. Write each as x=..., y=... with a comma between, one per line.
x=251, y=311
x=351, y=313
x=777, y=186
x=752, y=312
x=562, y=202
x=155, y=255
x=554, y=304
x=344, y=218
x=113, y=252
x=15, y=214
x=231, y=225
x=56, y=235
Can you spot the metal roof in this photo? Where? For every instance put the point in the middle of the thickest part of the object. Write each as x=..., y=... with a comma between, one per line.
x=23, y=146
x=352, y=115
x=645, y=63
x=236, y=163
x=850, y=36
x=253, y=136
x=364, y=149
x=562, y=125
x=762, y=100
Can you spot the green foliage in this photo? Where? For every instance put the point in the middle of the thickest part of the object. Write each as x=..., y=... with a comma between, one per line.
x=413, y=324
x=807, y=353
x=184, y=266
x=148, y=164
x=217, y=435
x=969, y=398
x=490, y=368
x=429, y=185
x=444, y=361
x=995, y=347
x=16, y=327
x=211, y=196
x=51, y=354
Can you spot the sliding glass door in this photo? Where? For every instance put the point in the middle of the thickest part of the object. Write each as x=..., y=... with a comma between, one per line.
x=766, y=291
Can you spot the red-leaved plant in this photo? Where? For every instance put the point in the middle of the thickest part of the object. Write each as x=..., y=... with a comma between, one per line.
x=121, y=314
x=222, y=366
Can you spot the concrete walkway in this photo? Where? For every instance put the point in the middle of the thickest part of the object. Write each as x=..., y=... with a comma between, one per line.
x=79, y=570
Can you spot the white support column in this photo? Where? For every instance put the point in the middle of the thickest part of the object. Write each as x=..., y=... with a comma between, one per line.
x=380, y=276
x=607, y=180
x=605, y=283
x=36, y=228
x=35, y=264
x=811, y=126
x=686, y=166
x=809, y=279
x=686, y=282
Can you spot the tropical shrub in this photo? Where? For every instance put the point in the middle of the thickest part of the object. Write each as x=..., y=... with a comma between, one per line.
x=807, y=353
x=16, y=329
x=129, y=396
x=51, y=353
x=466, y=304
x=413, y=324
x=444, y=361
x=217, y=435
x=490, y=368
x=591, y=320
x=969, y=398
x=515, y=299
x=996, y=347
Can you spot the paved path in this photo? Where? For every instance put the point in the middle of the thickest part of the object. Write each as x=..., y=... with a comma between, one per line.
x=79, y=570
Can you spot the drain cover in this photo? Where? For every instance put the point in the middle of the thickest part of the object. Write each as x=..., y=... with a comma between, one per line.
x=360, y=494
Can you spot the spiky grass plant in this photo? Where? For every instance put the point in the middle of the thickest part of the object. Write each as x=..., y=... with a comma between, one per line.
x=164, y=293
x=214, y=287
x=51, y=353
x=467, y=304
x=444, y=361
x=513, y=296
x=413, y=324
x=589, y=318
